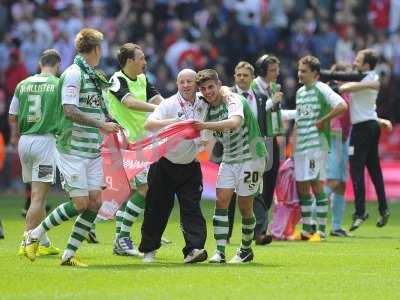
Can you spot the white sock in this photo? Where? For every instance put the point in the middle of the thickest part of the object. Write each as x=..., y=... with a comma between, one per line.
x=68, y=253
x=44, y=240
x=38, y=232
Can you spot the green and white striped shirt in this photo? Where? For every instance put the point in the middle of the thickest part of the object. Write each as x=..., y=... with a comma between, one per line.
x=243, y=143
x=311, y=104
x=79, y=90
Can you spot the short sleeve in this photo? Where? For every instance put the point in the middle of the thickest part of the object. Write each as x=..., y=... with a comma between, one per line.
x=332, y=98
x=14, y=106
x=235, y=106
x=119, y=88
x=71, y=86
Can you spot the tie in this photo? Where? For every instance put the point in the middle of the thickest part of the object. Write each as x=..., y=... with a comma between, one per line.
x=246, y=95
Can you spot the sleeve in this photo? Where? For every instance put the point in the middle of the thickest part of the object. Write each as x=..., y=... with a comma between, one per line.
x=151, y=90
x=269, y=104
x=326, y=75
x=14, y=106
x=161, y=111
x=332, y=98
x=119, y=88
x=235, y=107
x=70, y=87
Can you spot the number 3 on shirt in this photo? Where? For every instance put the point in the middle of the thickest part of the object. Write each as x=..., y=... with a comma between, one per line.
x=35, y=108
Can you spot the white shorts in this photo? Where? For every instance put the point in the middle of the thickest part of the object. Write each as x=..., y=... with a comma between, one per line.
x=80, y=175
x=310, y=165
x=245, y=178
x=36, y=153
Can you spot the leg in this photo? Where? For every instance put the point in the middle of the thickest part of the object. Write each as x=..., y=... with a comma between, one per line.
x=36, y=212
x=158, y=206
x=303, y=189
x=322, y=206
x=27, y=199
x=338, y=207
x=192, y=221
x=231, y=215
x=359, y=144
x=248, y=220
x=375, y=171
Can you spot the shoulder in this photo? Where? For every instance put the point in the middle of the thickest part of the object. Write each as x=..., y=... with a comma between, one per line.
x=73, y=72
x=301, y=90
x=118, y=81
x=322, y=87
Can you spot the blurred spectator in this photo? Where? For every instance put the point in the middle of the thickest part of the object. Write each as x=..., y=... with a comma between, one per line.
x=31, y=49
x=65, y=47
x=15, y=72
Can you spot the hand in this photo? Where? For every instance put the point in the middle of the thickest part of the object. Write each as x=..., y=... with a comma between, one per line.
x=200, y=125
x=109, y=127
x=277, y=97
x=320, y=124
x=386, y=124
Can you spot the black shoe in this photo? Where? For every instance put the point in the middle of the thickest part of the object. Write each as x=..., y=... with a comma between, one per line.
x=92, y=238
x=357, y=221
x=383, y=219
x=1, y=232
x=263, y=239
x=340, y=233
x=242, y=256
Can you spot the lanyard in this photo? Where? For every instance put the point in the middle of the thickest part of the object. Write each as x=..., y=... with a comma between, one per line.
x=182, y=104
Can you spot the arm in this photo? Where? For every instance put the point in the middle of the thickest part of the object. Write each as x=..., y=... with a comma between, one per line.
x=288, y=114
x=13, y=121
x=156, y=100
x=351, y=87
x=336, y=111
x=327, y=75
x=276, y=98
x=134, y=104
x=231, y=123
x=153, y=124
x=73, y=113
x=14, y=130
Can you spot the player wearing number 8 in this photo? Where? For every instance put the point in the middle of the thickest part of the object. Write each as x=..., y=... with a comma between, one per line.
x=243, y=161
x=33, y=113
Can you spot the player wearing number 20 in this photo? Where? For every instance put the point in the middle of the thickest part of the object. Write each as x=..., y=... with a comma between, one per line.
x=243, y=161
x=33, y=116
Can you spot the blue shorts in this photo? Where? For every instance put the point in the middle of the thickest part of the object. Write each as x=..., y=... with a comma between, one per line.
x=338, y=159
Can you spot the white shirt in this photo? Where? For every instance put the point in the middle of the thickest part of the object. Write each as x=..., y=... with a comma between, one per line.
x=363, y=103
x=175, y=107
x=71, y=85
x=251, y=99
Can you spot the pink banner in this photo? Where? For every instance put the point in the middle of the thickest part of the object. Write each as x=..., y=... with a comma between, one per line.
x=123, y=161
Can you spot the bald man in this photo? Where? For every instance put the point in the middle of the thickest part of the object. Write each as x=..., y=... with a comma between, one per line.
x=177, y=173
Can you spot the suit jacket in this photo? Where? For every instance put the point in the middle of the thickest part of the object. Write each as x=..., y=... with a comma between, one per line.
x=261, y=99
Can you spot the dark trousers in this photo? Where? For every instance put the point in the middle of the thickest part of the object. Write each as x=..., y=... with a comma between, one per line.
x=263, y=202
x=165, y=179
x=364, y=140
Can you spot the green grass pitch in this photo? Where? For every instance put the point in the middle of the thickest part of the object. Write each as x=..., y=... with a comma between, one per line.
x=364, y=267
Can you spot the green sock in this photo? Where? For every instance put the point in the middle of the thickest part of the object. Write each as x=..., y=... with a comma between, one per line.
x=221, y=228
x=306, y=207
x=322, y=211
x=133, y=209
x=80, y=230
x=248, y=231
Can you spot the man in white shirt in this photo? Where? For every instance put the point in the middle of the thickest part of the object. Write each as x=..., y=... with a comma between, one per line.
x=364, y=139
x=178, y=172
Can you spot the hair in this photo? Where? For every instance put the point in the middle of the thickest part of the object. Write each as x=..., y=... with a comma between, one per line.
x=49, y=58
x=125, y=52
x=263, y=62
x=87, y=40
x=246, y=65
x=205, y=75
x=370, y=57
x=312, y=62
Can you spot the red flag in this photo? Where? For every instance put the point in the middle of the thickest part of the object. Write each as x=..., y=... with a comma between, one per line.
x=121, y=165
